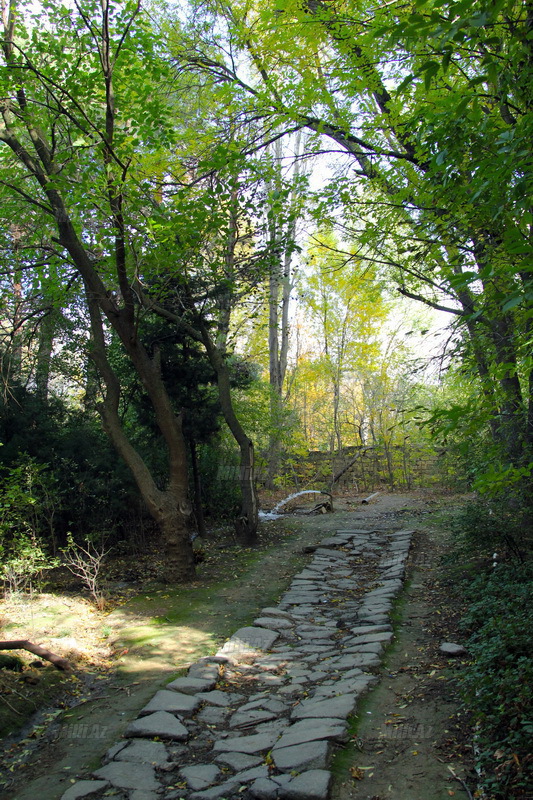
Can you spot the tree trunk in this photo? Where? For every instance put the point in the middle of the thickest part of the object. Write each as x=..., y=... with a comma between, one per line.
x=248, y=520
x=47, y=329
x=170, y=507
x=179, y=556
x=24, y=644
x=109, y=293
x=197, y=483
x=247, y=523
x=280, y=287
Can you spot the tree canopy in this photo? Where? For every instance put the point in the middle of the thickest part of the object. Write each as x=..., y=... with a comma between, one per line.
x=153, y=164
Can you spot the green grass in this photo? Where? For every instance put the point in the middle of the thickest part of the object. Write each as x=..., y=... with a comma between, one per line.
x=183, y=623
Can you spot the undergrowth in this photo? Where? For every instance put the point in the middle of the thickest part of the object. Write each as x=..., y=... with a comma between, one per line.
x=497, y=685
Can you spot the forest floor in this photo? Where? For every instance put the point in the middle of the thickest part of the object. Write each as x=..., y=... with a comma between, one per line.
x=410, y=736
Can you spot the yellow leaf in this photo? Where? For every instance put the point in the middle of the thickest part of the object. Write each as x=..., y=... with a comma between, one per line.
x=357, y=773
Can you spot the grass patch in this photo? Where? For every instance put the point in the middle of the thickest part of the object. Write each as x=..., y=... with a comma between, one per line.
x=148, y=636
x=343, y=759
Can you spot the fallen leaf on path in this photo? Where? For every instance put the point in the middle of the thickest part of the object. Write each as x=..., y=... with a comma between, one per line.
x=357, y=773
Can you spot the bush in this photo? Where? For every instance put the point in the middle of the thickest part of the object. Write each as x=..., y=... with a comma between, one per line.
x=221, y=492
x=26, y=512
x=498, y=523
x=498, y=685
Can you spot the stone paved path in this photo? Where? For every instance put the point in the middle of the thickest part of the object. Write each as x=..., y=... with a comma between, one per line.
x=261, y=718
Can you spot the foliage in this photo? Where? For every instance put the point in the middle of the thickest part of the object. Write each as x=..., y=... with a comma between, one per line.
x=432, y=107
x=87, y=490
x=25, y=509
x=85, y=562
x=501, y=523
x=498, y=684
x=219, y=467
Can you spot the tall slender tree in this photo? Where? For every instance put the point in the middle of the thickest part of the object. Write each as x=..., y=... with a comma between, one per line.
x=81, y=104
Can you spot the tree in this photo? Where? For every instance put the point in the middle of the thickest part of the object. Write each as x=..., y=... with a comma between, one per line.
x=286, y=208
x=81, y=106
x=433, y=108
x=346, y=309
x=224, y=257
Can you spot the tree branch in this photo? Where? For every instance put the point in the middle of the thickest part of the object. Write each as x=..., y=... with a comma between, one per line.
x=457, y=311
x=24, y=644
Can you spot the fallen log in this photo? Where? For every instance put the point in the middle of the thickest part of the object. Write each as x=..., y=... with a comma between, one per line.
x=367, y=500
x=37, y=650
x=321, y=508
x=350, y=464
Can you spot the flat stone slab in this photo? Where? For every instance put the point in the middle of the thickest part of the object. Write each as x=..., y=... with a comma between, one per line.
x=311, y=785
x=161, y=724
x=355, y=686
x=310, y=731
x=270, y=680
x=264, y=789
x=248, y=640
x=248, y=719
x=126, y=775
x=238, y=761
x=191, y=685
x=200, y=776
x=271, y=611
x=376, y=636
x=140, y=794
x=450, y=649
x=268, y=703
x=145, y=751
x=253, y=774
x=219, y=698
x=354, y=660
x=316, y=633
x=311, y=755
x=334, y=541
x=84, y=789
x=294, y=599
x=368, y=647
x=333, y=708
x=274, y=623
x=173, y=702
x=203, y=671
x=223, y=790
x=256, y=743
x=213, y=715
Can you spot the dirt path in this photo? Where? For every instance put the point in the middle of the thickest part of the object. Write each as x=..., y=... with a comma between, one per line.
x=409, y=739
x=419, y=690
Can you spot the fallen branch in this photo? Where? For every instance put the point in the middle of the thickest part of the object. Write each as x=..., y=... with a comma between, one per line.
x=14, y=710
x=346, y=468
x=461, y=781
x=37, y=650
x=367, y=500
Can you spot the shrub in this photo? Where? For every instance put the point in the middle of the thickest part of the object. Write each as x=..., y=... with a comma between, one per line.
x=498, y=684
x=26, y=510
x=497, y=523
